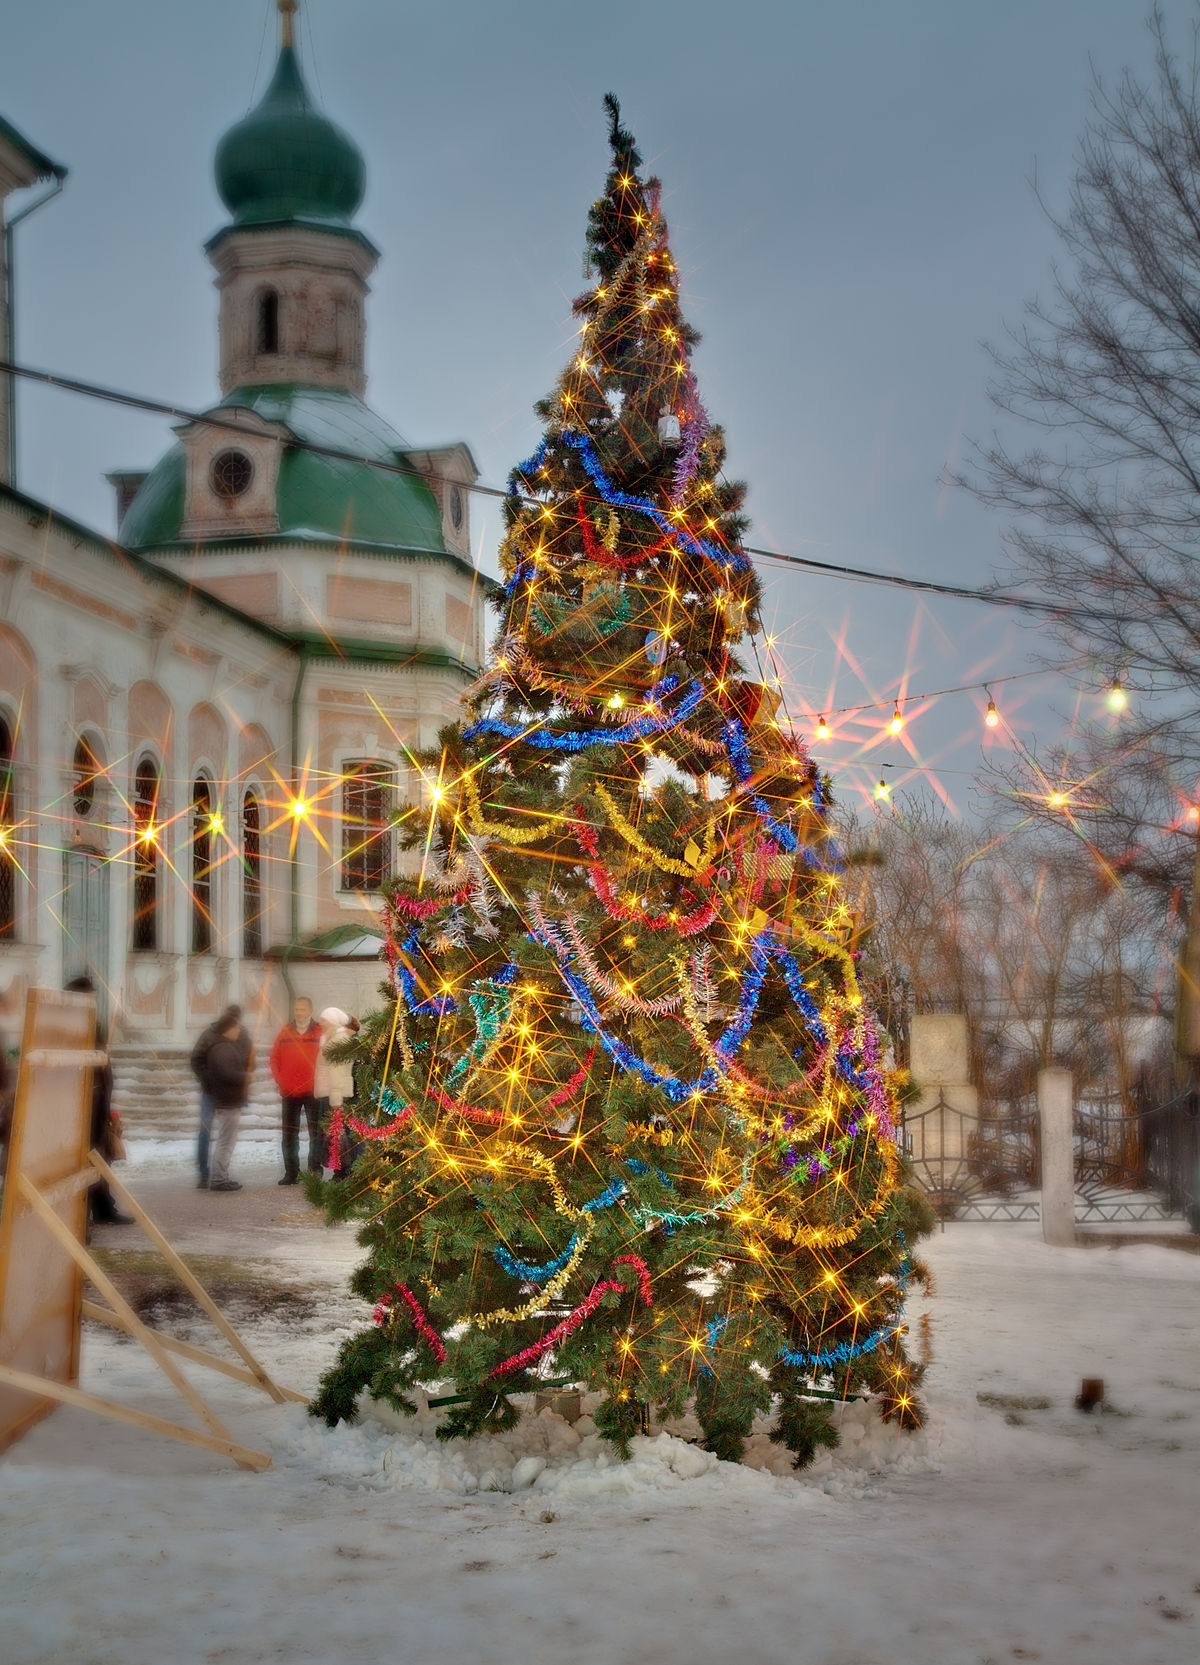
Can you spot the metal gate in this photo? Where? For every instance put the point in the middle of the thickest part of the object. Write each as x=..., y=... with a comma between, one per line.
x=1136, y=1163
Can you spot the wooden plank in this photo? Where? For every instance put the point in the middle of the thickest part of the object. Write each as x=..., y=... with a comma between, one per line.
x=64, y=1189
x=191, y=1282
x=198, y=1355
x=41, y=1286
x=62, y=1394
x=93, y=1271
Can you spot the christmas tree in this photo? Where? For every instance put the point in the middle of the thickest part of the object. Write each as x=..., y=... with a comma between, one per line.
x=622, y=1118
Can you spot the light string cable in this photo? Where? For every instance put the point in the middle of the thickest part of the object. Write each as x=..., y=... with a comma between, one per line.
x=926, y=586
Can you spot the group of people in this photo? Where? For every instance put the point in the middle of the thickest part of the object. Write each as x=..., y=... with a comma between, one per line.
x=312, y=1085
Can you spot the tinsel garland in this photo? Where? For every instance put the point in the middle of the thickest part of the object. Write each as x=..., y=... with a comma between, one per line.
x=605, y=888
x=409, y=908
x=514, y=659
x=533, y=1274
x=551, y=937
x=438, y=1005
x=734, y=559
x=743, y=768
x=529, y=1355
x=636, y=841
x=549, y=617
x=423, y=1327
x=654, y=722
x=498, y=831
x=833, y=1237
x=554, y=1101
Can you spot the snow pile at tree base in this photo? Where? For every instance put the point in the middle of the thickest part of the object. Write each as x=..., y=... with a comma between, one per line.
x=546, y=1455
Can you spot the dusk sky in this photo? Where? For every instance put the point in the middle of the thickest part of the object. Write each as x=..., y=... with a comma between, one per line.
x=849, y=192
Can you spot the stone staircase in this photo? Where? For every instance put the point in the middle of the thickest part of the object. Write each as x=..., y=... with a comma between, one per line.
x=157, y=1096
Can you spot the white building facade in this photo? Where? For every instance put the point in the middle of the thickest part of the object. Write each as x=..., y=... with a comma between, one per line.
x=206, y=724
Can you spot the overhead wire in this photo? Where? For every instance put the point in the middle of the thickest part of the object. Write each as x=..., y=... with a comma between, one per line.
x=832, y=569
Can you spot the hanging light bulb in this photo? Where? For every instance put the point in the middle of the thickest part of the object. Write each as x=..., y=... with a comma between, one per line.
x=1193, y=815
x=1057, y=800
x=992, y=716
x=881, y=791
x=823, y=730
x=897, y=722
x=1117, y=698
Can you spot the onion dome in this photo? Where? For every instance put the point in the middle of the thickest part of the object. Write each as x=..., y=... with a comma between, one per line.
x=286, y=161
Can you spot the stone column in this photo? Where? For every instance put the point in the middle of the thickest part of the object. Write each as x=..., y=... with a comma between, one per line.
x=1056, y=1109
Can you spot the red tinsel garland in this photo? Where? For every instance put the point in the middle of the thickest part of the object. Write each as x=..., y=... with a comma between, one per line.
x=423, y=1327
x=585, y=1309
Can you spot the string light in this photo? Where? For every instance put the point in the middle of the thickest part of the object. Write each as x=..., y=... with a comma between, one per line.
x=881, y=791
x=1057, y=800
x=823, y=730
x=1117, y=698
x=298, y=809
x=1193, y=814
x=992, y=716
x=897, y=722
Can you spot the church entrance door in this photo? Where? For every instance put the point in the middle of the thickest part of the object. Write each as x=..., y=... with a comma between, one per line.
x=85, y=923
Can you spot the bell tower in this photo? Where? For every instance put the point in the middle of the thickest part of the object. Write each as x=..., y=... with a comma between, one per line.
x=291, y=266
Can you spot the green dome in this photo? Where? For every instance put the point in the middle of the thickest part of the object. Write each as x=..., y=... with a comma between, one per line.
x=286, y=161
x=321, y=500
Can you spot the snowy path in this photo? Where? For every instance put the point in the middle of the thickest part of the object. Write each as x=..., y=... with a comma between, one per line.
x=1059, y=1537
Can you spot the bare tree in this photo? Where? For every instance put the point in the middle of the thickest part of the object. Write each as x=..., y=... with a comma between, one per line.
x=1106, y=505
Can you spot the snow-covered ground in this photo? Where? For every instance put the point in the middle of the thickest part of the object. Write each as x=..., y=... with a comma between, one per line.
x=1005, y=1530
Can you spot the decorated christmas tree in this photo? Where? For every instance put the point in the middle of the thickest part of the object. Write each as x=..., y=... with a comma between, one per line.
x=623, y=1118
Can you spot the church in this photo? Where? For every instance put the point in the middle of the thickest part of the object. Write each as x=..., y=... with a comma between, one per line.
x=206, y=723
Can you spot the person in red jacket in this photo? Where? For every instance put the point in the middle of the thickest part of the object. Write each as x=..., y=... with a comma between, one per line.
x=294, y=1067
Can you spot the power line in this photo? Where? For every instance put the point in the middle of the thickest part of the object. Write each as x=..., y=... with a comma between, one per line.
x=924, y=586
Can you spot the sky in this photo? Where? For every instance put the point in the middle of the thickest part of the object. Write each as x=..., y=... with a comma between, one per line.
x=849, y=188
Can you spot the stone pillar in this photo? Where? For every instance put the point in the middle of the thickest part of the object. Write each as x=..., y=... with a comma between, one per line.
x=939, y=1066
x=1056, y=1110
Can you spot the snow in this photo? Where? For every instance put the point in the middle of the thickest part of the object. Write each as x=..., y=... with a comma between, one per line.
x=999, y=1532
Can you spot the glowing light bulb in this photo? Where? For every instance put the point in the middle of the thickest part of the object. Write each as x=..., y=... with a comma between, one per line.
x=897, y=722
x=5, y=835
x=1117, y=700
x=215, y=824
x=1057, y=800
x=299, y=808
x=823, y=730
x=1192, y=816
x=881, y=791
x=992, y=717
x=616, y=702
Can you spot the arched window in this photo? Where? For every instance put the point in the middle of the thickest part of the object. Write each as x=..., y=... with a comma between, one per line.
x=252, y=893
x=146, y=857
x=367, y=793
x=85, y=771
x=8, y=860
x=268, y=321
x=204, y=827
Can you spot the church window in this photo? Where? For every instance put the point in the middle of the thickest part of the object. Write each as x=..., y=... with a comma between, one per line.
x=457, y=508
x=204, y=827
x=85, y=768
x=367, y=792
x=268, y=321
x=146, y=857
x=252, y=892
x=8, y=860
x=232, y=472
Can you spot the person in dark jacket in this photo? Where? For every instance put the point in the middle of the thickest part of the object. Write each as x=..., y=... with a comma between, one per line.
x=102, y=1205
x=227, y=1073
x=198, y=1061
x=293, y=1066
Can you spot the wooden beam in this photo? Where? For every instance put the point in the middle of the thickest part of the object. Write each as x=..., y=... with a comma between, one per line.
x=64, y=1395
x=191, y=1282
x=102, y=1315
x=132, y=1323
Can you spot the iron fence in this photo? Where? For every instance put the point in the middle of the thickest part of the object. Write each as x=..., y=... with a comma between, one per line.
x=1134, y=1161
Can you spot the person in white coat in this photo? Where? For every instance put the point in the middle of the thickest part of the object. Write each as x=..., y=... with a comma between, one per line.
x=333, y=1085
